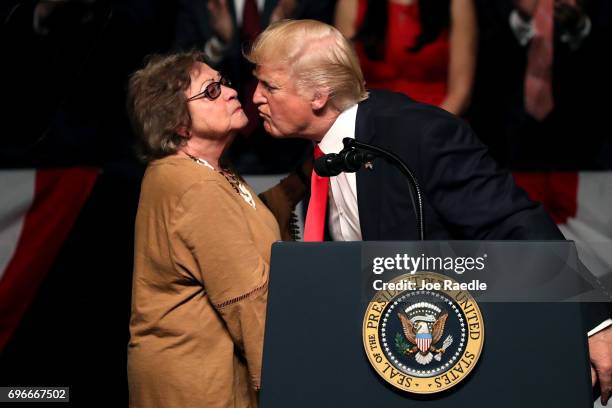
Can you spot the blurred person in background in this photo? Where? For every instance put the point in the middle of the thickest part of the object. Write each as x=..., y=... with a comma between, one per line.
x=222, y=29
x=75, y=41
x=542, y=85
x=424, y=49
x=202, y=243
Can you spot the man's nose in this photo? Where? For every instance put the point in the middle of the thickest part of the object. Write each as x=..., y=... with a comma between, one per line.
x=258, y=97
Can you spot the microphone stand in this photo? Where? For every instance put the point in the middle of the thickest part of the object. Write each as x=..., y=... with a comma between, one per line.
x=393, y=159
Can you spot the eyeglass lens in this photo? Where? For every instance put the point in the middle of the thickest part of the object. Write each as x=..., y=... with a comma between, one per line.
x=214, y=89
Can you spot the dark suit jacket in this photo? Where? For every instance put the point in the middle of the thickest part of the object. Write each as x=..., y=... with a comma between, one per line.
x=466, y=196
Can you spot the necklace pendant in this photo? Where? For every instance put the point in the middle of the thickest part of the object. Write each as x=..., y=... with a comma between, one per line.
x=231, y=178
x=246, y=195
x=205, y=163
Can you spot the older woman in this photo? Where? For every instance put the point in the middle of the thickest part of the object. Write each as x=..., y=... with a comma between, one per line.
x=202, y=244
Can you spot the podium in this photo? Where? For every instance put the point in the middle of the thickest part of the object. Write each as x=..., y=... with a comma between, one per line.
x=535, y=352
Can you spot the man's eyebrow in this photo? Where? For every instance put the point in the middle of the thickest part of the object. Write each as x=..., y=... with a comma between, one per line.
x=267, y=84
x=263, y=81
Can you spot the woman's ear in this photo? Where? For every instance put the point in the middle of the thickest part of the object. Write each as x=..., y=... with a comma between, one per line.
x=319, y=99
x=183, y=132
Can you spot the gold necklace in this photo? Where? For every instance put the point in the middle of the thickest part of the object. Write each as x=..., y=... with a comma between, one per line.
x=231, y=178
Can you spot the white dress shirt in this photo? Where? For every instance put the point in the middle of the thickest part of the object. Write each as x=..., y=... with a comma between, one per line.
x=239, y=7
x=343, y=214
x=524, y=31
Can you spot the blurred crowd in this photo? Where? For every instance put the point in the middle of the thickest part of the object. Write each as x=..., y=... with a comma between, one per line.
x=530, y=76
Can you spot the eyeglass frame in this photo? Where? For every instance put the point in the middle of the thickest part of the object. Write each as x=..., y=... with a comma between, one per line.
x=223, y=81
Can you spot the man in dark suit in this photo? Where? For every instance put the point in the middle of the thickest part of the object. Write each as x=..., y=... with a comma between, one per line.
x=311, y=87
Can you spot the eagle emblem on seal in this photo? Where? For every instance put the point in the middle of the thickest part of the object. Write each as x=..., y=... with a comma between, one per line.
x=423, y=328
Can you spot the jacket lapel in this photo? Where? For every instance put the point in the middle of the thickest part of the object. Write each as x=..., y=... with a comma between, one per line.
x=369, y=183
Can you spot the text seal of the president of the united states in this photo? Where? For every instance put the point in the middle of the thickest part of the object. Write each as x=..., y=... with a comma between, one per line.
x=423, y=340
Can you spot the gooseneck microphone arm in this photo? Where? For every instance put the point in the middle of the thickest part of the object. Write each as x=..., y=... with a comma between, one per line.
x=355, y=154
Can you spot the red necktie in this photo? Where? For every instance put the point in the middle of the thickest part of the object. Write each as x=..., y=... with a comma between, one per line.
x=317, y=206
x=538, y=77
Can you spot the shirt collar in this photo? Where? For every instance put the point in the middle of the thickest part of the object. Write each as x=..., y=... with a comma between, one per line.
x=344, y=126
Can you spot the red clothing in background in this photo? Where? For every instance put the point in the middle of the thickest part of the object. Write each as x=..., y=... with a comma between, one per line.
x=421, y=75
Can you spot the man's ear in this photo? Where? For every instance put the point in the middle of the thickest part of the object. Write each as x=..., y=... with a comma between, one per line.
x=182, y=131
x=319, y=99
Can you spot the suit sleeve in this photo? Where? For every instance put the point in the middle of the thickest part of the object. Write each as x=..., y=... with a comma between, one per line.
x=472, y=195
x=594, y=314
x=210, y=222
x=281, y=201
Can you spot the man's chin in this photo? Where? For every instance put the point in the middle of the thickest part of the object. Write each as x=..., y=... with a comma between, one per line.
x=271, y=130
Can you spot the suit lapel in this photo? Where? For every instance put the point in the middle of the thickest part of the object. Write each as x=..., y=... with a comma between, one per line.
x=369, y=183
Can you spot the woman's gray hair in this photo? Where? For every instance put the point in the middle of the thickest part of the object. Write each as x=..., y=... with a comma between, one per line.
x=157, y=104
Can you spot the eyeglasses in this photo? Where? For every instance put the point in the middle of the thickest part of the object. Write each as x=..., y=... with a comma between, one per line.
x=212, y=90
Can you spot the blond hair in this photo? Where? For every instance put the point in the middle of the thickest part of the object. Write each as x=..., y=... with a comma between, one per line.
x=317, y=56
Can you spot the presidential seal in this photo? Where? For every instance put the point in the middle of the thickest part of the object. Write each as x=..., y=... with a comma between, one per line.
x=421, y=340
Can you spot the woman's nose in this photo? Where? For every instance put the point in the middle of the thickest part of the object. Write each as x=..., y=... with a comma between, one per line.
x=229, y=92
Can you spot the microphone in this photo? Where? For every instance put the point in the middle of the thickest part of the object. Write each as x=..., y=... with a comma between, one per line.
x=355, y=154
x=348, y=160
